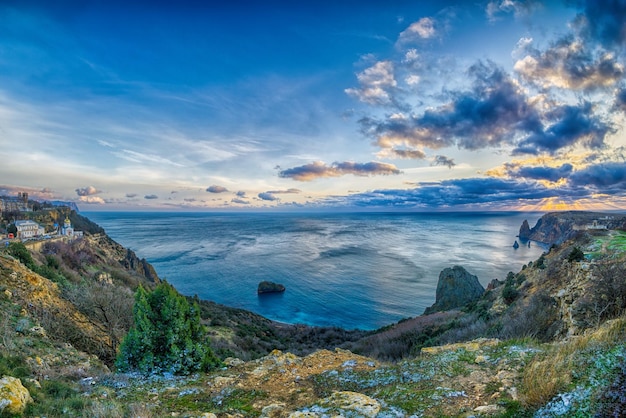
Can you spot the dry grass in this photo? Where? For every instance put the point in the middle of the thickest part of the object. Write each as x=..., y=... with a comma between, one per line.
x=552, y=372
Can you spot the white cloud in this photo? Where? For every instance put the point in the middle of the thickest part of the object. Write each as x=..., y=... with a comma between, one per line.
x=375, y=84
x=422, y=29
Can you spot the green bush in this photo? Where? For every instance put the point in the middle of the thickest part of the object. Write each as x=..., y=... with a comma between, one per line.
x=576, y=255
x=167, y=335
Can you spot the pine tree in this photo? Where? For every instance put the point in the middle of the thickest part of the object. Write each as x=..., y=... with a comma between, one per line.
x=167, y=335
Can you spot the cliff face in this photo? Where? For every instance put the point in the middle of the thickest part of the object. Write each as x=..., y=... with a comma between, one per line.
x=558, y=227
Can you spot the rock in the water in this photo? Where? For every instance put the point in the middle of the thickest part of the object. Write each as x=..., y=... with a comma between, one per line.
x=456, y=288
x=270, y=287
x=516, y=245
x=524, y=231
x=13, y=396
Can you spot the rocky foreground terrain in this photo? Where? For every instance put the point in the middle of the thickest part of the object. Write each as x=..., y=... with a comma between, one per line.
x=545, y=341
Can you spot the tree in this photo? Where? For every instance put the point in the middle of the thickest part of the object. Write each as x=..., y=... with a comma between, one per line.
x=576, y=255
x=167, y=335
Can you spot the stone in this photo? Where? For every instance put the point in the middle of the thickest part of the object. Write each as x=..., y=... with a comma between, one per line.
x=275, y=410
x=13, y=396
x=353, y=403
x=270, y=287
x=38, y=330
x=456, y=288
x=488, y=409
x=8, y=294
x=299, y=414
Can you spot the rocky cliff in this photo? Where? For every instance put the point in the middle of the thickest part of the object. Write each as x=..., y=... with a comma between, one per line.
x=456, y=288
x=558, y=227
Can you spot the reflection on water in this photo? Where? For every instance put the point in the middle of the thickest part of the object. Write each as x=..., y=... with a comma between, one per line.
x=348, y=270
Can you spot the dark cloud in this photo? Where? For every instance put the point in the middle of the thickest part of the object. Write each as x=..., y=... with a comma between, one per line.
x=131, y=195
x=190, y=199
x=570, y=64
x=604, y=178
x=493, y=113
x=240, y=193
x=151, y=196
x=267, y=196
x=319, y=169
x=454, y=193
x=569, y=125
x=603, y=21
x=443, y=160
x=620, y=99
x=87, y=191
x=216, y=189
x=413, y=154
x=240, y=201
x=552, y=174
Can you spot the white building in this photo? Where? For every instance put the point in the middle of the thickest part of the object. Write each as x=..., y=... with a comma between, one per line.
x=28, y=229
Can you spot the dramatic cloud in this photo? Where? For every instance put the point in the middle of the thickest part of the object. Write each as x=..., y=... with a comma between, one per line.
x=319, y=169
x=422, y=29
x=267, y=196
x=552, y=174
x=151, y=197
x=443, y=160
x=494, y=112
x=569, y=125
x=87, y=191
x=376, y=84
x=605, y=178
x=216, y=189
x=471, y=192
x=568, y=64
x=603, y=21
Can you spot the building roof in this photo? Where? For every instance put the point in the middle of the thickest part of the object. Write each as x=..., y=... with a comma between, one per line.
x=26, y=222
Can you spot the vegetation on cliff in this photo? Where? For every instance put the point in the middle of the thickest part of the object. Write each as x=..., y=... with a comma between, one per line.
x=546, y=341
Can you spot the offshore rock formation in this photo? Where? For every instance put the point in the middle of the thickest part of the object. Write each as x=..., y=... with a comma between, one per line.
x=456, y=288
x=270, y=287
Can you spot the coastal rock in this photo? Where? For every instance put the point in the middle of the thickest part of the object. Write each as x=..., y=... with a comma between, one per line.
x=270, y=287
x=456, y=288
x=524, y=231
x=13, y=396
x=516, y=245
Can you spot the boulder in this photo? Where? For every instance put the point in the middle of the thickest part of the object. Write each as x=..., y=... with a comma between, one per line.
x=13, y=396
x=270, y=287
x=352, y=404
x=516, y=245
x=456, y=288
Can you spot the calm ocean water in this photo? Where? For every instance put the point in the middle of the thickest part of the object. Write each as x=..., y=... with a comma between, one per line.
x=362, y=270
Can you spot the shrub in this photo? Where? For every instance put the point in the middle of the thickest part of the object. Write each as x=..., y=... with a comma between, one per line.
x=166, y=336
x=576, y=255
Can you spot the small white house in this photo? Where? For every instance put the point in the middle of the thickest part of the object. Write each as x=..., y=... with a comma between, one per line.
x=28, y=229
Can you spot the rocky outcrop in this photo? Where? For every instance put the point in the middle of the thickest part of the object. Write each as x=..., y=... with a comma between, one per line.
x=456, y=288
x=141, y=266
x=270, y=287
x=14, y=397
x=558, y=227
x=524, y=231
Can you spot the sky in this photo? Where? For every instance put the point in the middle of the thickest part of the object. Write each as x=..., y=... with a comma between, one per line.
x=325, y=105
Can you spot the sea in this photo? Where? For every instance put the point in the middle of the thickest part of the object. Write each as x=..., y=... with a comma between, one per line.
x=350, y=270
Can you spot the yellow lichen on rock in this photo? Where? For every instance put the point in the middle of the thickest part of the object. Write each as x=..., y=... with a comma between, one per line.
x=13, y=395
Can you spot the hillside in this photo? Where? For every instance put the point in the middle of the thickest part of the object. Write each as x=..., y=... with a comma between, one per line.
x=547, y=340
